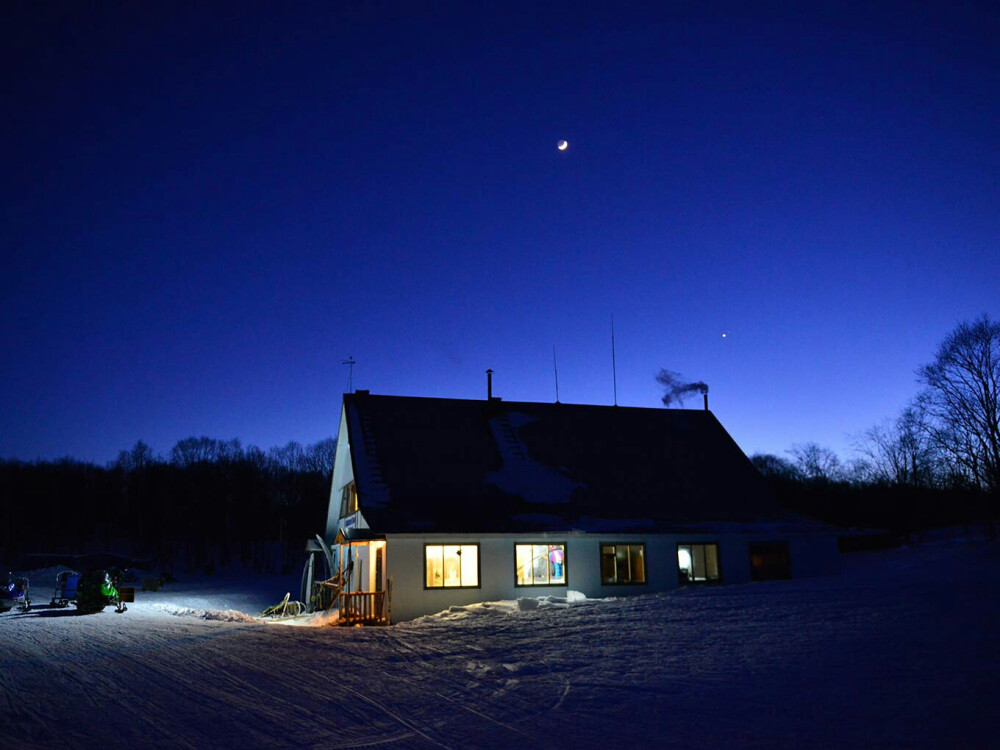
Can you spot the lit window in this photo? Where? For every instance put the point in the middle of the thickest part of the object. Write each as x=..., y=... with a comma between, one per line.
x=698, y=563
x=348, y=500
x=451, y=565
x=623, y=563
x=540, y=564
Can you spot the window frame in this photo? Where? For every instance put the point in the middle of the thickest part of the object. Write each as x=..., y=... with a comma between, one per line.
x=349, y=500
x=565, y=578
x=442, y=587
x=718, y=563
x=767, y=548
x=600, y=562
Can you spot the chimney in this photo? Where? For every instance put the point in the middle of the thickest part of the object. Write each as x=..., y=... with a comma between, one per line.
x=489, y=385
x=706, y=399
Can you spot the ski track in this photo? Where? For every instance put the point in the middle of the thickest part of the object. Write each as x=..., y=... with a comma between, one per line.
x=897, y=651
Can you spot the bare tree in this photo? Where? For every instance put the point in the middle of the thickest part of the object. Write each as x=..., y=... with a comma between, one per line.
x=230, y=451
x=133, y=466
x=816, y=463
x=256, y=457
x=902, y=451
x=319, y=456
x=139, y=457
x=962, y=393
x=770, y=465
x=289, y=457
x=195, y=450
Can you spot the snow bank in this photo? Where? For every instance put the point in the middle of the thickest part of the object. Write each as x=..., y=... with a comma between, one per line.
x=318, y=620
x=528, y=603
x=226, y=615
x=509, y=606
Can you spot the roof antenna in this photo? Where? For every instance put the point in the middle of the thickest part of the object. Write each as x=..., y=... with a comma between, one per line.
x=614, y=372
x=350, y=372
x=556, y=370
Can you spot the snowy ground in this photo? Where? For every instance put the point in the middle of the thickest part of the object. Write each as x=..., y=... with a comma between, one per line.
x=900, y=650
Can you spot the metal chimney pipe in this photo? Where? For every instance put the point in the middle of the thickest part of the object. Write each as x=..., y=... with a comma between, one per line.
x=489, y=385
x=706, y=399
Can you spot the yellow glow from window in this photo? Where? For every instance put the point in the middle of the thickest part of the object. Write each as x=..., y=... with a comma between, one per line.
x=637, y=569
x=522, y=557
x=451, y=565
x=470, y=565
x=700, y=562
x=540, y=564
x=684, y=559
x=435, y=572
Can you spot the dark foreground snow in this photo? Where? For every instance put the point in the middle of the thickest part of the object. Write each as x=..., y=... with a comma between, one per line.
x=902, y=649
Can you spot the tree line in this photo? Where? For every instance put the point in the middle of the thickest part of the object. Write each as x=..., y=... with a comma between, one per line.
x=210, y=502
x=207, y=502
x=937, y=462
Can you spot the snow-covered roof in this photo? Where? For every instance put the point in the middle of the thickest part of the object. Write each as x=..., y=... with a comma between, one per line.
x=451, y=465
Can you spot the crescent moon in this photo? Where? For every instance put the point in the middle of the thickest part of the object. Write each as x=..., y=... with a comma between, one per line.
x=562, y=145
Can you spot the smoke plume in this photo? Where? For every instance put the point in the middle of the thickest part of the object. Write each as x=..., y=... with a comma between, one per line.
x=676, y=389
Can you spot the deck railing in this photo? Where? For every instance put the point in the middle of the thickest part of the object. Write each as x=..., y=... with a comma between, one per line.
x=362, y=608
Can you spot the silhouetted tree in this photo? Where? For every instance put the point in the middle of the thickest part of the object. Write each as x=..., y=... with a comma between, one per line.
x=195, y=450
x=319, y=457
x=139, y=457
x=132, y=469
x=962, y=395
x=289, y=457
x=816, y=463
x=771, y=466
x=901, y=451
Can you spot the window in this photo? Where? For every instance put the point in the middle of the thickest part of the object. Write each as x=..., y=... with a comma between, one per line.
x=348, y=500
x=540, y=564
x=769, y=561
x=623, y=563
x=451, y=566
x=698, y=563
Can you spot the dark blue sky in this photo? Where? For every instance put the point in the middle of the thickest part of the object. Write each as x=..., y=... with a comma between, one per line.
x=206, y=209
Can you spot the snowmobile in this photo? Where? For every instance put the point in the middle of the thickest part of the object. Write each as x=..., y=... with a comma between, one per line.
x=96, y=590
x=14, y=593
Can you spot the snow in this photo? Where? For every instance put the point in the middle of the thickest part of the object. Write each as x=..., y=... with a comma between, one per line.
x=521, y=475
x=898, y=650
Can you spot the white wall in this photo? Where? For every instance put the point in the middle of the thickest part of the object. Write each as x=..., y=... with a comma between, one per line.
x=343, y=474
x=810, y=555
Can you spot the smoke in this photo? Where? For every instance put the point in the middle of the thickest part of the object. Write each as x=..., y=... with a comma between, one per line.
x=676, y=389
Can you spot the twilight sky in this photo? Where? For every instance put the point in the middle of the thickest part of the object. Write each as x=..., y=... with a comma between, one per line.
x=206, y=210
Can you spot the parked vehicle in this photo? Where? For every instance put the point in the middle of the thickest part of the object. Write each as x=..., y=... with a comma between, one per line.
x=96, y=590
x=92, y=590
x=14, y=593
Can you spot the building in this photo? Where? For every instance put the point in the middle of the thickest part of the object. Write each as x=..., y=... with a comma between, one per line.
x=440, y=502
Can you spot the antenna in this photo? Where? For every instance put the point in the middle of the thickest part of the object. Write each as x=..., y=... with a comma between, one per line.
x=614, y=371
x=350, y=372
x=556, y=370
